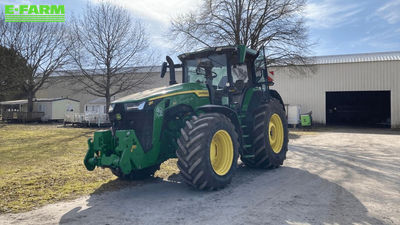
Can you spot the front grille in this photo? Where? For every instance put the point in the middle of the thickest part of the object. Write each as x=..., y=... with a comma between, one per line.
x=139, y=120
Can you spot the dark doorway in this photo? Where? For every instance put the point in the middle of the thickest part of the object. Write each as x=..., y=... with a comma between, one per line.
x=358, y=108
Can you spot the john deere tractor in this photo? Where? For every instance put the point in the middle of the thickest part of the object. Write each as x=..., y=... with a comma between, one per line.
x=224, y=108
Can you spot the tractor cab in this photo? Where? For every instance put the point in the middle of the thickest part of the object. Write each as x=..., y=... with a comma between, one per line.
x=226, y=71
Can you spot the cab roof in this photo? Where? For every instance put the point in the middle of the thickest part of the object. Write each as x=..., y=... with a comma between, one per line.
x=241, y=50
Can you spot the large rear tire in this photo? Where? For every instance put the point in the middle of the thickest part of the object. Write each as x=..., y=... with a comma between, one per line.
x=208, y=151
x=269, y=135
x=136, y=174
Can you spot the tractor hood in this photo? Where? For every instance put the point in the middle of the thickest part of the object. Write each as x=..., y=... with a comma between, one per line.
x=158, y=93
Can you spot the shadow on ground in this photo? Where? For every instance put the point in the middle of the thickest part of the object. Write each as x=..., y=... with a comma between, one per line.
x=293, y=136
x=350, y=129
x=283, y=196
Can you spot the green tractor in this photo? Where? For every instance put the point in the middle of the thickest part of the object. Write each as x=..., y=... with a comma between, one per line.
x=223, y=109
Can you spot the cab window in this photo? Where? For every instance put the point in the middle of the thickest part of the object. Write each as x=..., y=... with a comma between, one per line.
x=239, y=72
x=196, y=70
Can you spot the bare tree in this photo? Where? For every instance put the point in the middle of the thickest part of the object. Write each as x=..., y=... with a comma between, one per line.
x=41, y=45
x=276, y=24
x=106, y=42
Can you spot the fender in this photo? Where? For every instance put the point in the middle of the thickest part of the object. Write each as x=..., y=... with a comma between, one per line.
x=228, y=112
x=275, y=94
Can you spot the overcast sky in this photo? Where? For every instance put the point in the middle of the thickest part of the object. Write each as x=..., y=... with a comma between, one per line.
x=336, y=26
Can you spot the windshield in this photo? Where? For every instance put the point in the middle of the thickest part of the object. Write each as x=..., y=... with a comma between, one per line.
x=213, y=67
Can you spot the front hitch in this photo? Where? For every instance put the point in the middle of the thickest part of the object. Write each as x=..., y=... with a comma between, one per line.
x=90, y=161
x=102, y=143
x=122, y=151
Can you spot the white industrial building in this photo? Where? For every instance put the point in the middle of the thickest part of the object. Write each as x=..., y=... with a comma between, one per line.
x=341, y=89
x=357, y=89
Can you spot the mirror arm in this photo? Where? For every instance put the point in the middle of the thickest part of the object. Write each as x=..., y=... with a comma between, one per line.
x=171, y=66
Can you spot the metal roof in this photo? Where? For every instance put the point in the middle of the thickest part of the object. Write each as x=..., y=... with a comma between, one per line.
x=125, y=70
x=25, y=101
x=15, y=102
x=97, y=101
x=313, y=60
x=356, y=58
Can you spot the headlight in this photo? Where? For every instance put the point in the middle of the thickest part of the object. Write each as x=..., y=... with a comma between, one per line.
x=135, y=106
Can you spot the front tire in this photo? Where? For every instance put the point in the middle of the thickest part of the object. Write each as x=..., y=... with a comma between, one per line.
x=269, y=135
x=208, y=151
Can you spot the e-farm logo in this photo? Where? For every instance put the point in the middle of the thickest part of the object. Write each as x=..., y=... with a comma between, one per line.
x=34, y=13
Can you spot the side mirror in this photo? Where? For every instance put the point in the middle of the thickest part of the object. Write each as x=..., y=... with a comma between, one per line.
x=164, y=69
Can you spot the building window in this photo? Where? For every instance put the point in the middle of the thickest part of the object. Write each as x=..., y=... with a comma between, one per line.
x=70, y=108
x=42, y=108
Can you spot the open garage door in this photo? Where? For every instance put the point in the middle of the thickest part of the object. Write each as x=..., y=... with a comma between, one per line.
x=358, y=108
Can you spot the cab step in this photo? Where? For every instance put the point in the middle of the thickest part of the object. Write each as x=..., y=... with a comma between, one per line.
x=248, y=156
x=247, y=146
x=242, y=115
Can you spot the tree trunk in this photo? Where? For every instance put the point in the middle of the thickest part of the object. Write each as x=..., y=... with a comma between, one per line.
x=31, y=95
x=108, y=100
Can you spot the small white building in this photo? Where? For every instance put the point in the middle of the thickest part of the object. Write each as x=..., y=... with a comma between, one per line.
x=95, y=114
x=44, y=109
x=96, y=106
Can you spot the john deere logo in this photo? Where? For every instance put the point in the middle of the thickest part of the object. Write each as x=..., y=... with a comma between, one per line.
x=34, y=13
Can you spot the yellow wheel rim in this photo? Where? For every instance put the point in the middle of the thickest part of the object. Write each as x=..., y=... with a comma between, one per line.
x=221, y=152
x=275, y=131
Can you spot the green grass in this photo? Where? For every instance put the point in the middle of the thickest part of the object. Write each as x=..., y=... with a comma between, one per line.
x=41, y=164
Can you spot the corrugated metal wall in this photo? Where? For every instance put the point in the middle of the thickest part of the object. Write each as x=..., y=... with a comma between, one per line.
x=68, y=87
x=308, y=89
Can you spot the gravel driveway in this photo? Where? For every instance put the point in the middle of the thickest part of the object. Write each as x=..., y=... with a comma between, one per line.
x=340, y=176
